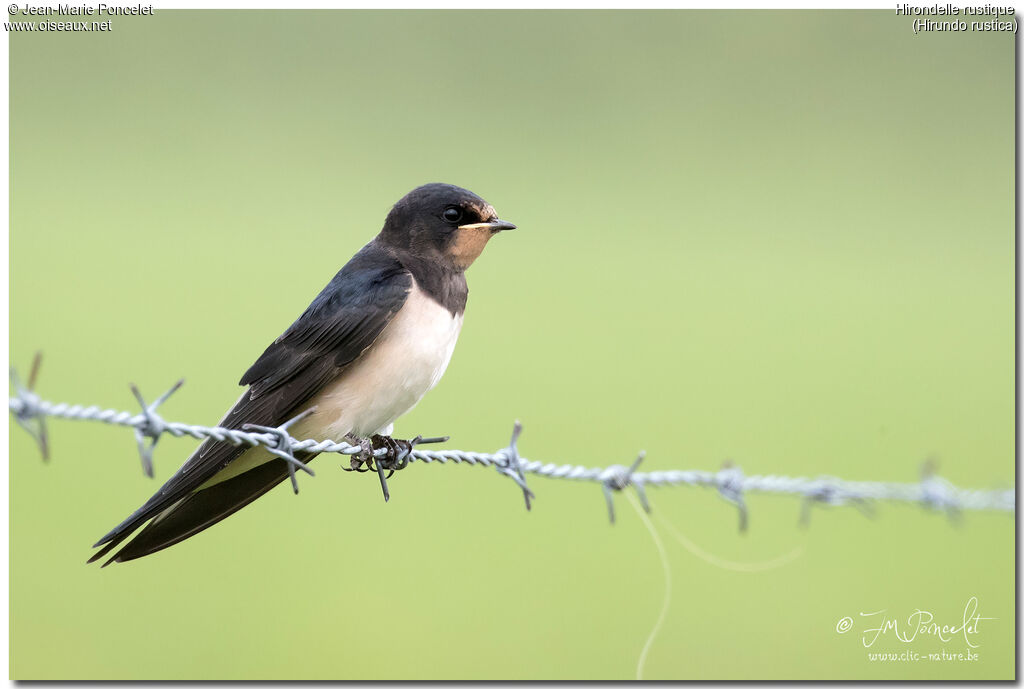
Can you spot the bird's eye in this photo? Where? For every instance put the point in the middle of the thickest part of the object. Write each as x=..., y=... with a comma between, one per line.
x=452, y=214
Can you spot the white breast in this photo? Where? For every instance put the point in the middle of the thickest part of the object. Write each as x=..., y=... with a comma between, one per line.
x=403, y=364
x=405, y=361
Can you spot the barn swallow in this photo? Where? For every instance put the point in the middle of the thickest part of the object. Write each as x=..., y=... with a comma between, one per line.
x=365, y=351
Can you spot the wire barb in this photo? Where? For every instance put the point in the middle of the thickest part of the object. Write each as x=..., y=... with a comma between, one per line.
x=931, y=491
x=730, y=486
x=30, y=415
x=829, y=492
x=512, y=467
x=616, y=478
x=152, y=427
x=937, y=493
x=285, y=445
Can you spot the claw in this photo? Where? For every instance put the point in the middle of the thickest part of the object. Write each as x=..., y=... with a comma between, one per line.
x=362, y=461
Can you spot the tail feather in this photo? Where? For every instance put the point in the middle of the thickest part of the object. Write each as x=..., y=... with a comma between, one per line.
x=198, y=511
x=103, y=551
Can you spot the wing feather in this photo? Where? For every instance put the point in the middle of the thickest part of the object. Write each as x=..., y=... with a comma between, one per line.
x=337, y=327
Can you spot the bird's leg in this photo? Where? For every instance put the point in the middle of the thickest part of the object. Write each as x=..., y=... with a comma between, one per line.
x=400, y=451
x=362, y=461
x=396, y=450
x=396, y=457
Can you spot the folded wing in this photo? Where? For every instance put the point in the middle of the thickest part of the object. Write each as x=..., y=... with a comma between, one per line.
x=339, y=325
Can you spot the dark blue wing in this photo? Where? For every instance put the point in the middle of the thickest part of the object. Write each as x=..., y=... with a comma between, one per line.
x=344, y=319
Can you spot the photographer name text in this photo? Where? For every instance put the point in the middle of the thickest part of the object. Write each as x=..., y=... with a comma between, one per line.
x=70, y=10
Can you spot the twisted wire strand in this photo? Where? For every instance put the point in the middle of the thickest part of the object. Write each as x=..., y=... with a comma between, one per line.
x=932, y=491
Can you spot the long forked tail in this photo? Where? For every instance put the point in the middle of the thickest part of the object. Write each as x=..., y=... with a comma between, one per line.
x=198, y=511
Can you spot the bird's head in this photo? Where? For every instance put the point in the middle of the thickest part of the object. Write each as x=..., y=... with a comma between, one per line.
x=442, y=223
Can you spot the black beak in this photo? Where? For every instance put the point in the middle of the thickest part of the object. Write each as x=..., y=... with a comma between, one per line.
x=499, y=225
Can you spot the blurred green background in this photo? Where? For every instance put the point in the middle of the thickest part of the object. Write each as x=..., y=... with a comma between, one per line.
x=781, y=238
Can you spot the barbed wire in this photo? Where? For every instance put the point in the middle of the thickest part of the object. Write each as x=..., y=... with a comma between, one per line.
x=932, y=491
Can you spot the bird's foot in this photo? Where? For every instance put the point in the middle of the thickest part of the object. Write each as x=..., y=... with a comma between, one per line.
x=362, y=461
x=397, y=455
